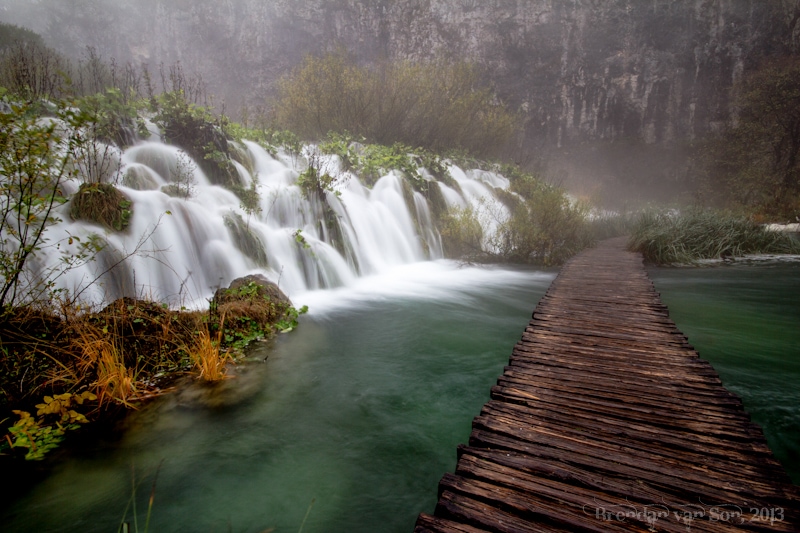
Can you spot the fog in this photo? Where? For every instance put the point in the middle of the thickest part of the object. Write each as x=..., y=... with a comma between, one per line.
x=612, y=92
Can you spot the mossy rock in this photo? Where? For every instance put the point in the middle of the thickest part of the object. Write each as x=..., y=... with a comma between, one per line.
x=239, y=153
x=150, y=332
x=193, y=129
x=101, y=203
x=253, y=299
x=177, y=191
x=246, y=241
x=252, y=288
x=139, y=178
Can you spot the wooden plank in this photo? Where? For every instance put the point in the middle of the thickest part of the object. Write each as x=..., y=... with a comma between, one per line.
x=572, y=505
x=476, y=513
x=633, y=491
x=601, y=383
x=658, y=417
x=433, y=524
x=609, y=362
x=723, y=414
x=711, y=451
x=615, y=378
x=647, y=464
x=605, y=406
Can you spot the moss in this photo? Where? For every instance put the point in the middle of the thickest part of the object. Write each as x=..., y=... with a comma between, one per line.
x=174, y=190
x=408, y=197
x=247, y=242
x=101, y=203
x=139, y=178
x=509, y=199
x=436, y=201
x=462, y=234
x=240, y=154
x=335, y=234
x=450, y=181
x=250, y=308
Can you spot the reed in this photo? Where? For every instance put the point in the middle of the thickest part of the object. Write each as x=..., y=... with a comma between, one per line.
x=670, y=237
x=103, y=354
x=209, y=360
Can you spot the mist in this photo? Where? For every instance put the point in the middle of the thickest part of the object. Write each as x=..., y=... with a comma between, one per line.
x=613, y=93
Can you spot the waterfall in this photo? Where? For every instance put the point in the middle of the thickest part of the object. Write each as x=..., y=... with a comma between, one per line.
x=187, y=237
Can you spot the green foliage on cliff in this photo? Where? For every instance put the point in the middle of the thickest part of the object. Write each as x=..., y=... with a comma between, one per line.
x=436, y=105
x=31, y=71
x=11, y=34
x=371, y=161
x=755, y=163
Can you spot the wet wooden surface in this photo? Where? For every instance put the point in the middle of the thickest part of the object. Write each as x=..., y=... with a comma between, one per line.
x=606, y=419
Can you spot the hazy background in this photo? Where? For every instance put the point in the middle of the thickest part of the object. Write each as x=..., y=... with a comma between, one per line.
x=614, y=92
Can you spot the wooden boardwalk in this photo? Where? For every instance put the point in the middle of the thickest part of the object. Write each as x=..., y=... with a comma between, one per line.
x=606, y=419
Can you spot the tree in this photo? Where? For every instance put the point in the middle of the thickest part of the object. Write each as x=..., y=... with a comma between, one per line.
x=757, y=159
x=32, y=71
x=11, y=34
x=437, y=105
x=35, y=159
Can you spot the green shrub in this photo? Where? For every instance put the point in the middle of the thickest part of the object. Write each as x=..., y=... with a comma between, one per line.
x=547, y=228
x=371, y=161
x=35, y=159
x=535, y=223
x=112, y=117
x=462, y=234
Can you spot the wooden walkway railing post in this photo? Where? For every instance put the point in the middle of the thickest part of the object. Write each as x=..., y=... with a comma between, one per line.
x=606, y=419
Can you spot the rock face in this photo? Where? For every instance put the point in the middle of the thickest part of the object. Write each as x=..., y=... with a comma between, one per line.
x=647, y=71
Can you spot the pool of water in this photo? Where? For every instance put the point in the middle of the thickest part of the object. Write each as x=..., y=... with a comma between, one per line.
x=346, y=427
x=745, y=320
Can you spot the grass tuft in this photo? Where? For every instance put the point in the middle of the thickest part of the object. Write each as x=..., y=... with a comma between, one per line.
x=102, y=203
x=667, y=238
x=102, y=353
x=207, y=356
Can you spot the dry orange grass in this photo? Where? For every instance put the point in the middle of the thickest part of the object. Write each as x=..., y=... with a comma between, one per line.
x=208, y=359
x=102, y=353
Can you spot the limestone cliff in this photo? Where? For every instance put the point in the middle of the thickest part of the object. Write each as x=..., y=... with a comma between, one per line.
x=645, y=71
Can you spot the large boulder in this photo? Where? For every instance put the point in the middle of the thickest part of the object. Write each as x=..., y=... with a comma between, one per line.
x=252, y=297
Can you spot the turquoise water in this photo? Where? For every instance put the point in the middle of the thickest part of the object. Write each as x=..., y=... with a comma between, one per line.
x=352, y=420
x=745, y=320
x=359, y=411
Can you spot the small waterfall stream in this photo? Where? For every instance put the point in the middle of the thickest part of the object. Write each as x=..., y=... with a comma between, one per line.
x=179, y=247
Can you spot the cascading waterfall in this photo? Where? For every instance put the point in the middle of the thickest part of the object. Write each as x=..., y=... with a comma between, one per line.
x=180, y=247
